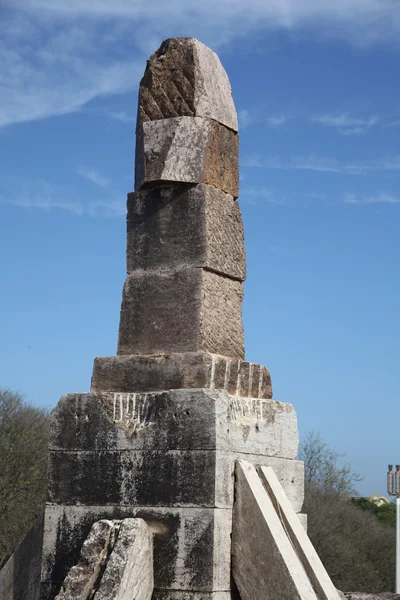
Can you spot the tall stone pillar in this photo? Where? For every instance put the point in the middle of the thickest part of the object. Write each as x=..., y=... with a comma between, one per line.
x=166, y=419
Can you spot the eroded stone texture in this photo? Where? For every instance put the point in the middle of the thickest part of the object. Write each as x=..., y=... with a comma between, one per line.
x=315, y=570
x=171, y=421
x=182, y=478
x=264, y=563
x=177, y=311
x=364, y=596
x=191, y=546
x=180, y=226
x=188, y=150
x=85, y=576
x=143, y=373
x=129, y=570
x=116, y=563
x=184, y=77
x=20, y=576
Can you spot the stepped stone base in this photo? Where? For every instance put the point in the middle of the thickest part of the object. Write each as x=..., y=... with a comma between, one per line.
x=169, y=459
x=186, y=370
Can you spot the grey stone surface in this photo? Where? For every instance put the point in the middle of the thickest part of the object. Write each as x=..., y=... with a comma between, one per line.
x=303, y=518
x=187, y=370
x=316, y=573
x=20, y=576
x=188, y=150
x=176, y=478
x=178, y=226
x=191, y=546
x=115, y=563
x=184, y=77
x=176, y=420
x=187, y=310
x=187, y=595
x=129, y=570
x=364, y=596
x=84, y=577
x=264, y=563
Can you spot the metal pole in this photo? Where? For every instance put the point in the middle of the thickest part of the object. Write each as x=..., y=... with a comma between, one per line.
x=397, y=545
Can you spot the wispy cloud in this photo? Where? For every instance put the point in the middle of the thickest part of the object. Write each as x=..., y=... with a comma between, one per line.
x=381, y=198
x=345, y=124
x=245, y=118
x=93, y=176
x=314, y=162
x=121, y=116
x=39, y=194
x=277, y=121
x=58, y=55
x=253, y=194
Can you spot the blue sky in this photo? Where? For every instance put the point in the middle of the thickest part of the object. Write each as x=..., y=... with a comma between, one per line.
x=316, y=87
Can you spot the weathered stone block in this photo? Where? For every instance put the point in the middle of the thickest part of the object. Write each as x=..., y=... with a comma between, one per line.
x=181, y=311
x=182, y=225
x=315, y=570
x=264, y=563
x=184, y=77
x=186, y=370
x=84, y=577
x=20, y=576
x=185, y=420
x=129, y=570
x=192, y=547
x=176, y=478
x=188, y=150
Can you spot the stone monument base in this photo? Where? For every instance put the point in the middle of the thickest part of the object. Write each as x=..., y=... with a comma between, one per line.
x=168, y=458
x=143, y=373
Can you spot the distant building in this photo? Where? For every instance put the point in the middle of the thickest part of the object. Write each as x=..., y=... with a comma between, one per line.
x=378, y=499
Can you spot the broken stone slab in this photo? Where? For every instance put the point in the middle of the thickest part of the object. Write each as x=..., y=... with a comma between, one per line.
x=179, y=226
x=185, y=77
x=20, y=576
x=319, y=578
x=187, y=370
x=186, y=310
x=176, y=420
x=129, y=570
x=192, y=547
x=116, y=562
x=84, y=577
x=176, y=478
x=187, y=150
x=264, y=563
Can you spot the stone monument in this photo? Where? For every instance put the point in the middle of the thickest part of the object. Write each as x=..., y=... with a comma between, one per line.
x=158, y=436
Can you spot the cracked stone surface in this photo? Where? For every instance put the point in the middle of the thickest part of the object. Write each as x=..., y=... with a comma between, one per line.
x=189, y=150
x=186, y=78
x=116, y=563
x=179, y=226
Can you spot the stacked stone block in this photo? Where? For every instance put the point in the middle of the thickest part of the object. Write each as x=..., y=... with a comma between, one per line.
x=167, y=418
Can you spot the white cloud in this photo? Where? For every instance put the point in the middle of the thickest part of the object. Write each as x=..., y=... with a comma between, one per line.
x=314, y=162
x=93, y=176
x=277, y=121
x=245, y=118
x=345, y=124
x=252, y=194
x=39, y=194
x=58, y=55
x=381, y=198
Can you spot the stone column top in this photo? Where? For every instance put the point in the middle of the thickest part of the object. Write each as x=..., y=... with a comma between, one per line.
x=186, y=78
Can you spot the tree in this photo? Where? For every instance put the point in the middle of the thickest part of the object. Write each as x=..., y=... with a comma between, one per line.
x=357, y=549
x=321, y=467
x=23, y=468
